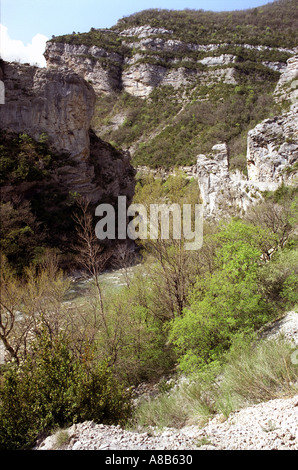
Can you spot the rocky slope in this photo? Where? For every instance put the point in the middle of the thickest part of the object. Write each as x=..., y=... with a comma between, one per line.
x=271, y=425
x=267, y=426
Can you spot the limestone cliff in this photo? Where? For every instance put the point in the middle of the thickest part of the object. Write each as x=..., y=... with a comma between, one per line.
x=222, y=191
x=272, y=146
x=287, y=87
x=96, y=65
x=147, y=57
x=273, y=150
x=59, y=103
x=138, y=73
x=272, y=156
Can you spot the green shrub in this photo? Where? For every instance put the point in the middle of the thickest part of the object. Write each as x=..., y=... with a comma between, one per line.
x=224, y=302
x=255, y=372
x=251, y=372
x=278, y=279
x=54, y=388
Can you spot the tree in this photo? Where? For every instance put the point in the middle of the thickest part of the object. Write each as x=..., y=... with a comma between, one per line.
x=171, y=268
x=20, y=234
x=224, y=302
x=30, y=304
x=91, y=255
x=279, y=218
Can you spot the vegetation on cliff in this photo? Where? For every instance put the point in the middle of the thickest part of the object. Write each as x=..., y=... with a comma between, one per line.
x=35, y=210
x=259, y=26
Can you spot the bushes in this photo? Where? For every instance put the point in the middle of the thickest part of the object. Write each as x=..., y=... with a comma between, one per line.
x=278, y=279
x=179, y=308
x=253, y=371
x=247, y=26
x=53, y=387
x=224, y=302
x=167, y=132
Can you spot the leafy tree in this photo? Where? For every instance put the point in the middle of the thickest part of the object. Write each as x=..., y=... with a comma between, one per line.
x=224, y=302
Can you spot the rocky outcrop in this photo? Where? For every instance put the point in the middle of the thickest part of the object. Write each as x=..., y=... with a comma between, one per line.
x=148, y=57
x=102, y=69
x=144, y=31
x=56, y=102
x=272, y=146
x=272, y=151
x=142, y=78
x=59, y=103
x=272, y=156
x=149, y=38
x=287, y=87
x=136, y=74
x=223, y=192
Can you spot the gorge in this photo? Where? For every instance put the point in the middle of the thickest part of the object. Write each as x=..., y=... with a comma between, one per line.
x=166, y=107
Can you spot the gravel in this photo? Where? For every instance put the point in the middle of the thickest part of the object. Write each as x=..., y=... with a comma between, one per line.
x=271, y=425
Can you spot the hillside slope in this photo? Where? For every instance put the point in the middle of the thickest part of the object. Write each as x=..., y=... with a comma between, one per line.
x=270, y=425
x=171, y=84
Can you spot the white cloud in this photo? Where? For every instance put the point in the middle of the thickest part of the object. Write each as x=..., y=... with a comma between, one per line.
x=15, y=50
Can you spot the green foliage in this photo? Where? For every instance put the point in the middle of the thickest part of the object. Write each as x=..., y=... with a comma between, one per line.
x=39, y=216
x=135, y=338
x=279, y=279
x=95, y=37
x=256, y=371
x=168, y=132
x=253, y=26
x=54, y=388
x=179, y=307
x=252, y=371
x=223, y=302
x=25, y=159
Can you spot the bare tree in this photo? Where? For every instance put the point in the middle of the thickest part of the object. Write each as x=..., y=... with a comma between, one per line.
x=29, y=304
x=279, y=219
x=124, y=256
x=91, y=255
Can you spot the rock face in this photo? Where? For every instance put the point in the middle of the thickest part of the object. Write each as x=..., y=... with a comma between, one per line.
x=213, y=175
x=287, y=87
x=141, y=79
x=273, y=150
x=99, y=67
x=272, y=156
x=59, y=103
x=223, y=192
x=272, y=146
x=110, y=72
x=147, y=57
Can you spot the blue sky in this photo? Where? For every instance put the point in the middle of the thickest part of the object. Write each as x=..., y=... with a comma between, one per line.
x=26, y=24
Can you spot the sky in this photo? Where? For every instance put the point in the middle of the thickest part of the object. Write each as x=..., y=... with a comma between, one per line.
x=26, y=25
